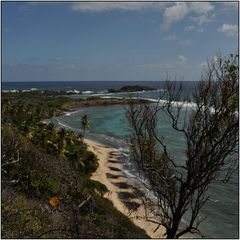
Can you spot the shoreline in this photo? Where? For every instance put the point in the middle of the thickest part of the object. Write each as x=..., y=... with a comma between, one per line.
x=73, y=105
x=123, y=195
x=109, y=173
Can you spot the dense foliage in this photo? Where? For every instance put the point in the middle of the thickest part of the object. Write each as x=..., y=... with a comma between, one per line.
x=46, y=189
x=131, y=88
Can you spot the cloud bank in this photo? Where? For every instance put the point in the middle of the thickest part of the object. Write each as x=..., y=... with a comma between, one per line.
x=228, y=29
x=109, y=6
x=180, y=10
x=199, y=13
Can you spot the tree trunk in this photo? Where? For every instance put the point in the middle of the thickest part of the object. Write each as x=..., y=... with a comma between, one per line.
x=171, y=233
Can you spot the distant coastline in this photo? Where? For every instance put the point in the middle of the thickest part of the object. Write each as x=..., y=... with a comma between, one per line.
x=70, y=106
x=125, y=88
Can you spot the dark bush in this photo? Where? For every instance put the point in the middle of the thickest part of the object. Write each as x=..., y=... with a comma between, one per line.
x=38, y=183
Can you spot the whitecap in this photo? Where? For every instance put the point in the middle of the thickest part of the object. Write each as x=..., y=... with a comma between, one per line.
x=73, y=91
x=64, y=125
x=87, y=92
x=107, y=97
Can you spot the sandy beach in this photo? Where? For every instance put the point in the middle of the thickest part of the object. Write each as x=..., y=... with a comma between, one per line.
x=121, y=193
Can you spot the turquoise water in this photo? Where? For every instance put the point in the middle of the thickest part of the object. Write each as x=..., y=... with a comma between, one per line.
x=109, y=126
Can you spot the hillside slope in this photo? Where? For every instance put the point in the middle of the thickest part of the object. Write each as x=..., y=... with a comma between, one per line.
x=46, y=187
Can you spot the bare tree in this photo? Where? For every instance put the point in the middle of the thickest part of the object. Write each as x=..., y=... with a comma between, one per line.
x=210, y=128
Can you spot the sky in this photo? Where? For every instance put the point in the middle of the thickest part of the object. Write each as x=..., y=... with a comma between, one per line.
x=114, y=41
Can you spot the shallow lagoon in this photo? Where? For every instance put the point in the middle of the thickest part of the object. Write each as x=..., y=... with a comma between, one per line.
x=109, y=126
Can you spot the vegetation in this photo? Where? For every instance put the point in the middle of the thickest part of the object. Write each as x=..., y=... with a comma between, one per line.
x=211, y=131
x=84, y=123
x=71, y=105
x=46, y=189
x=130, y=88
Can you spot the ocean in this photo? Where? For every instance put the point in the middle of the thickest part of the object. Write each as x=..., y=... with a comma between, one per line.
x=98, y=86
x=108, y=126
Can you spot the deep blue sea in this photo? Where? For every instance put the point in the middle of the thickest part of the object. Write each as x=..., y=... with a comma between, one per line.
x=108, y=126
x=83, y=85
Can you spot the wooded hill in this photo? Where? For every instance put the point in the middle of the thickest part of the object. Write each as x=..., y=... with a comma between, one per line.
x=46, y=187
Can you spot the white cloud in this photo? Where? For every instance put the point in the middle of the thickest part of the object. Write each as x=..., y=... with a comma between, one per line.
x=179, y=10
x=203, y=14
x=167, y=64
x=189, y=28
x=215, y=59
x=200, y=20
x=174, y=13
x=202, y=65
x=159, y=65
x=200, y=29
x=201, y=7
x=230, y=4
x=228, y=29
x=185, y=42
x=108, y=6
x=169, y=38
x=181, y=59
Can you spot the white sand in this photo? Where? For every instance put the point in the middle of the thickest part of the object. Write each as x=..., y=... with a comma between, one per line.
x=104, y=153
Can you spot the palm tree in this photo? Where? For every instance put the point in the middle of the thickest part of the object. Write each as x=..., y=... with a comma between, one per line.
x=85, y=123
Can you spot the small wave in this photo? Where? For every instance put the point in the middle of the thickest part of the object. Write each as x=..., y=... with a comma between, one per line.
x=143, y=91
x=68, y=113
x=174, y=103
x=179, y=103
x=11, y=90
x=106, y=97
x=64, y=125
x=73, y=91
x=124, y=151
x=104, y=92
x=128, y=173
x=71, y=113
x=87, y=92
x=101, y=94
x=149, y=99
x=30, y=90
x=185, y=104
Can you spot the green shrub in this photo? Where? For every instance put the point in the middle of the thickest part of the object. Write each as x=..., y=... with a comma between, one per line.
x=90, y=162
x=96, y=218
x=39, y=182
x=95, y=185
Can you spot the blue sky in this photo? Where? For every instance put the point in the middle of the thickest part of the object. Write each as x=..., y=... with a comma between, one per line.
x=114, y=41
